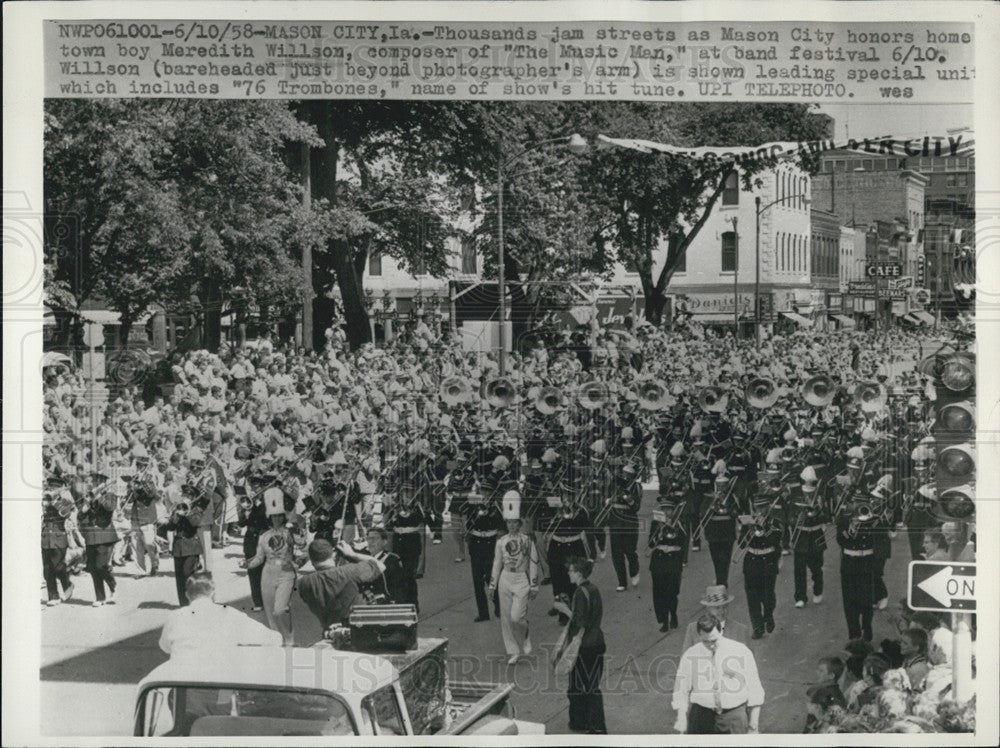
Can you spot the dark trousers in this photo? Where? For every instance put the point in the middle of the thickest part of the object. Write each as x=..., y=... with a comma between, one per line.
x=558, y=553
x=254, y=576
x=54, y=569
x=435, y=515
x=624, y=540
x=597, y=539
x=481, y=552
x=702, y=721
x=409, y=547
x=99, y=565
x=184, y=567
x=665, y=569
x=813, y=561
x=759, y=578
x=856, y=589
x=586, y=704
x=879, y=589
x=915, y=536
x=722, y=555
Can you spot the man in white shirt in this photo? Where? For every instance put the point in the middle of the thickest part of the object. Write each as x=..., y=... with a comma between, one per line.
x=203, y=624
x=717, y=690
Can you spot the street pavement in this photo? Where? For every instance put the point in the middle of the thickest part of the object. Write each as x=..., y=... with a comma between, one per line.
x=93, y=657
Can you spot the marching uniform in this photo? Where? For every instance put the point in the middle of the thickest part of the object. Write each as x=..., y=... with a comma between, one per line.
x=484, y=525
x=703, y=488
x=515, y=577
x=100, y=536
x=623, y=523
x=55, y=541
x=255, y=523
x=720, y=533
x=407, y=527
x=808, y=552
x=667, y=542
x=856, y=566
x=567, y=538
x=435, y=473
x=186, y=548
x=760, y=573
x=143, y=516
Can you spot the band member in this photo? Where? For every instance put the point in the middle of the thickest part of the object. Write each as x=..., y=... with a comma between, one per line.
x=57, y=505
x=141, y=505
x=460, y=483
x=202, y=481
x=854, y=535
x=808, y=544
x=762, y=536
x=327, y=518
x=598, y=488
x=435, y=472
x=389, y=587
x=917, y=507
x=567, y=538
x=703, y=487
x=406, y=524
x=186, y=546
x=623, y=524
x=667, y=542
x=881, y=542
x=484, y=525
x=253, y=518
x=720, y=530
x=100, y=536
x=515, y=576
x=281, y=551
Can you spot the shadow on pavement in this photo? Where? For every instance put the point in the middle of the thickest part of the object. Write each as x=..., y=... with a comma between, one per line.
x=122, y=661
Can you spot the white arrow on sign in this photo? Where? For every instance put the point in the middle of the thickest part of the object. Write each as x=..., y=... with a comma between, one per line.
x=945, y=588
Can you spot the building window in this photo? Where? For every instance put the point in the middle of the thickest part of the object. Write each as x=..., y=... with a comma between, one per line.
x=950, y=180
x=962, y=180
x=729, y=252
x=375, y=264
x=841, y=165
x=892, y=164
x=828, y=167
x=866, y=164
x=468, y=256
x=803, y=189
x=731, y=190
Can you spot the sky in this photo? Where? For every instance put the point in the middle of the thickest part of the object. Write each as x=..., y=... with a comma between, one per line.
x=873, y=120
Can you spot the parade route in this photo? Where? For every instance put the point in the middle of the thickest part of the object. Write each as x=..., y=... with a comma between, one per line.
x=92, y=658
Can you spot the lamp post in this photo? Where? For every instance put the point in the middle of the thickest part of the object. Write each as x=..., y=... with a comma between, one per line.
x=577, y=144
x=756, y=284
x=736, y=282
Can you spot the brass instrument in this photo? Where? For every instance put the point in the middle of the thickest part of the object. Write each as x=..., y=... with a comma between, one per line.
x=713, y=400
x=870, y=396
x=761, y=523
x=651, y=393
x=499, y=392
x=548, y=401
x=455, y=390
x=64, y=505
x=703, y=522
x=762, y=394
x=819, y=391
x=593, y=395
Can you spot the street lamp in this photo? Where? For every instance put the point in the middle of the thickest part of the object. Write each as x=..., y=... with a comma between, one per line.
x=756, y=285
x=736, y=282
x=576, y=144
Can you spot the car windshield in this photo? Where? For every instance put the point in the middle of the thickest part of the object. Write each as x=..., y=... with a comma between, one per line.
x=179, y=711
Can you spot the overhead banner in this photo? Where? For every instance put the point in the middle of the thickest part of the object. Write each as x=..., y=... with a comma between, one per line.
x=951, y=144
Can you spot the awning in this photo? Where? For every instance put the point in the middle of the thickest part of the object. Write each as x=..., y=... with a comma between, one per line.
x=911, y=319
x=897, y=313
x=798, y=318
x=712, y=319
x=925, y=317
x=843, y=320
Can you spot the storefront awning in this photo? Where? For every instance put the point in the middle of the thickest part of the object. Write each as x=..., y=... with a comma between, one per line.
x=713, y=319
x=843, y=320
x=924, y=317
x=798, y=319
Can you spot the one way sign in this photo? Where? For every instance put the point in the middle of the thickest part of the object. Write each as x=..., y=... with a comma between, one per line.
x=940, y=585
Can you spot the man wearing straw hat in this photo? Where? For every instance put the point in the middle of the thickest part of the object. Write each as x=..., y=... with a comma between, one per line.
x=716, y=601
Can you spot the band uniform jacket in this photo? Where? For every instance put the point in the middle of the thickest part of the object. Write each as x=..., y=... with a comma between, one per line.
x=812, y=531
x=53, y=527
x=97, y=520
x=256, y=523
x=390, y=582
x=570, y=526
x=142, y=497
x=661, y=533
x=767, y=537
x=721, y=525
x=862, y=539
x=186, y=540
x=485, y=518
x=627, y=497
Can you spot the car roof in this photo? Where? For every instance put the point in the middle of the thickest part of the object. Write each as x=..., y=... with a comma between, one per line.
x=349, y=674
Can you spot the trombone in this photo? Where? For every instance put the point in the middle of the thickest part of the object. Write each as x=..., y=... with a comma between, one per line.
x=703, y=522
x=756, y=527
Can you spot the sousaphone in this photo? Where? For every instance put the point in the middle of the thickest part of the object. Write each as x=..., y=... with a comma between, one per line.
x=454, y=390
x=651, y=393
x=713, y=400
x=593, y=395
x=500, y=392
x=870, y=396
x=761, y=393
x=819, y=391
x=548, y=400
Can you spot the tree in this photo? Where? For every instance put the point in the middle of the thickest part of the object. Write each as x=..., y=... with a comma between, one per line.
x=652, y=198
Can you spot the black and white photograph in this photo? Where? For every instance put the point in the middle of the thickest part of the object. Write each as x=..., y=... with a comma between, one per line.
x=504, y=378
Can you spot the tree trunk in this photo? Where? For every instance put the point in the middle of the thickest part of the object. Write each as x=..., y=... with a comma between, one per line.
x=212, y=304
x=338, y=256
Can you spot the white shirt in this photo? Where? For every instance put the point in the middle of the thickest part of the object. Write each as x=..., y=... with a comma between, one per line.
x=205, y=625
x=730, y=672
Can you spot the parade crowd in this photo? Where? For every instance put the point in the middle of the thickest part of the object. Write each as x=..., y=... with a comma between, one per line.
x=336, y=471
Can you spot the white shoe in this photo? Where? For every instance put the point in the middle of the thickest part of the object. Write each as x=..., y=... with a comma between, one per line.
x=67, y=593
x=53, y=603
x=635, y=580
x=602, y=555
x=620, y=588
x=800, y=604
x=785, y=552
x=527, y=647
x=883, y=603
x=817, y=599
x=513, y=660
x=436, y=541
x=110, y=599
x=97, y=603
